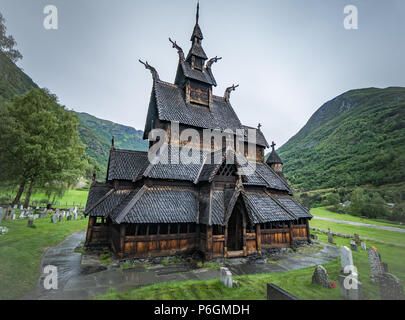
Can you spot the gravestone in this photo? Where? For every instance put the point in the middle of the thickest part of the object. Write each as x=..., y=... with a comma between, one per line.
x=226, y=277
x=385, y=267
x=75, y=216
x=36, y=216
x=357, y=239
x=321, y=277
x=363, y=246
x=330, y=238
x=353, y=245
x=1, y=214
x=69, y=217
x=314, y=236
x=54, y=218
x=30, y=223
x=13, y=216
x=376, y=266
x=276, y=293
x=346, y=258
x=390, y=287
x=22, y=215
x=350, y=288
x=60, y=218
x=21, y=207
x=15, y=206
x=63, y=213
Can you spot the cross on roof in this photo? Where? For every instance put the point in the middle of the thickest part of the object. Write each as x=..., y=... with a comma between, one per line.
x=259, y=126
x=273, y=145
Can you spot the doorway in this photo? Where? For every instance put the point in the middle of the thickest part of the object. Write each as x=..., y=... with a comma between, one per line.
x=235, y=228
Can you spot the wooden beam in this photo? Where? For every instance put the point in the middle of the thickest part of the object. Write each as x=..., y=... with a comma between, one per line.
x=258, y=239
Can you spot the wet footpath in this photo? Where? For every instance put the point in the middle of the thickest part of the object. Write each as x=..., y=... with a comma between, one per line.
x=77, y=282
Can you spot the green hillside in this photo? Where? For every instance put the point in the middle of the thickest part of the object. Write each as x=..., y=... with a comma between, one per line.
x=358, y=138
x=94, y=133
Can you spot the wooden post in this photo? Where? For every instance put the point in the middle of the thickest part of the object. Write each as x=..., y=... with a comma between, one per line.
x=258, y=239
x=291, y=225
x=308, y=233
x=122, y=240
x=226, y=242
x=89, y=230
x=209, y=242
x=244, y=235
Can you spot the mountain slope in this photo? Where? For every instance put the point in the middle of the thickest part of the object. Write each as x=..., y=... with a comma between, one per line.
x=355, y=139
x=95, y=133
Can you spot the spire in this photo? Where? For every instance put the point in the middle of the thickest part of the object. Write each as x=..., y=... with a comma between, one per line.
x=273, y=157
x=198, y=12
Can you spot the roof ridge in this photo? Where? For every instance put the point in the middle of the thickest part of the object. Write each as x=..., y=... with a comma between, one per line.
x=129, y=151
x=281, y=205
x=100, y=200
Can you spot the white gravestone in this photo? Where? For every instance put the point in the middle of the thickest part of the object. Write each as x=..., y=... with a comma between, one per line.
x=226, y=277
x=346, y=258
x=13, y=217
x=363, y=246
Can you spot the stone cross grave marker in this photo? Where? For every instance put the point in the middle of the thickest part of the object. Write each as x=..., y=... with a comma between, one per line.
x=390, y=287
x=376, y=265
x=321, y=277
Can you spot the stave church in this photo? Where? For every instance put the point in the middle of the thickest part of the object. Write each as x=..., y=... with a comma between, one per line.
x=227, y=202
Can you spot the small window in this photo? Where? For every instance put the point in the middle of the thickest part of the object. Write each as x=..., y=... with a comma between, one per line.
x=192, y=228
x=198, y=63
x=174, y=228
x=142, y=229
x=164, y=228
x=153, y=228
x=183, y=227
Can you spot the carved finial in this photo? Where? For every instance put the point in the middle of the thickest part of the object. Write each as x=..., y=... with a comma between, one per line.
x=212, y=61
x=112, y=143
x=259, y=126
x=155, y=74
x=228, y=91
x=273, y=145
x=179, y=50
x=197, y=16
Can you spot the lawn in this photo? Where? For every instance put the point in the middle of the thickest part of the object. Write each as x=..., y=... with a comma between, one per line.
x=383, y=235
x=74, y=197
x=297, y=282
x=325, y=213
x=21, y=250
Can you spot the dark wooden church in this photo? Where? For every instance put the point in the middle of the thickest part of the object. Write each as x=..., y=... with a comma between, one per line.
x=155, y=208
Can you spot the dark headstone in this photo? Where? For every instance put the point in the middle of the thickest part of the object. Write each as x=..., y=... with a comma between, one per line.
x=276, y=293
x=357, y=239
x=30, y=222
x=390, y=287
x=321, y=277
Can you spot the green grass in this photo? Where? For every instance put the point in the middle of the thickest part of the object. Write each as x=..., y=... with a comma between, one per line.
x=77, y=197
x=382, y=235
x=21, y=250
x=297, y=282
x=325, y=213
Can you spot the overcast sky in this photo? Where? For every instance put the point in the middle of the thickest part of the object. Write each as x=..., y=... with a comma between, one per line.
x=289, y=56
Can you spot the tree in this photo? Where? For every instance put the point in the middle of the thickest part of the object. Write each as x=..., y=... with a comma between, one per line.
x=7, y=43
x=40, y=143
x=357, y=202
